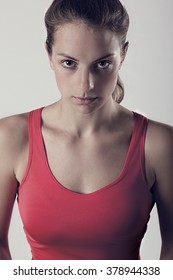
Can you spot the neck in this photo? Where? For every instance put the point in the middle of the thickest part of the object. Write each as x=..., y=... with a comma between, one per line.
x=84, y=124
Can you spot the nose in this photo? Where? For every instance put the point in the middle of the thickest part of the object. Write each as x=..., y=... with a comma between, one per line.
x=86, y=81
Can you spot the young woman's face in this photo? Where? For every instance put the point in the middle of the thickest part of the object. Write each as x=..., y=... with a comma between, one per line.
x=86, y=62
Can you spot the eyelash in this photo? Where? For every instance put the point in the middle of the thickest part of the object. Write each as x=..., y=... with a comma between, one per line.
x=107, y=62
x=96, y=67
x=66, y=66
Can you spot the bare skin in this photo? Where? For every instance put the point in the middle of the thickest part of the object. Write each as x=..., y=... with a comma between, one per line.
x=93, y=134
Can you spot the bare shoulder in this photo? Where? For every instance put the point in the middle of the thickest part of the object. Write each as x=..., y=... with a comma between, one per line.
x=159, y=146
x=13, y=125
x=13, y=132
x=160, y=137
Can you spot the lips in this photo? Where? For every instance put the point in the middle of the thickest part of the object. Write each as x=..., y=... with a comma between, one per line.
x=86, y=100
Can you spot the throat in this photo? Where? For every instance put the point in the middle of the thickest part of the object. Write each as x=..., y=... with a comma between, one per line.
x=83, y=125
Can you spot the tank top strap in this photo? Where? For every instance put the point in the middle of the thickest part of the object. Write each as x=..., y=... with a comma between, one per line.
x=136, y=154
x=34, y=141
x=34, y=122
x=141, y=123
x=34, y=128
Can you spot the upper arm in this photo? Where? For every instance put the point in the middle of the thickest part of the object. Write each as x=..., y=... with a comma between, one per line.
x=161, y=156
x=8, y=182
x=13, y=139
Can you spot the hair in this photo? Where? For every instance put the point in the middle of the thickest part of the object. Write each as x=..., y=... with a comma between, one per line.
x=108, y=14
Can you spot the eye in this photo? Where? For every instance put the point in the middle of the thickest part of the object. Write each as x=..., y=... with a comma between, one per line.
x=68, y=63
x=104, y=64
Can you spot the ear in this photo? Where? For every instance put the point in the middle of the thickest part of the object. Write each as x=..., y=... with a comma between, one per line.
x=126, y=46
x=49, y=57
x=124, y=52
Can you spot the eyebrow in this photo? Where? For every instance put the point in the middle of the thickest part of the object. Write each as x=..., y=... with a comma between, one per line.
x=75, y=59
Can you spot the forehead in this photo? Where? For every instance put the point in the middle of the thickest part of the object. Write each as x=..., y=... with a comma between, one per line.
x=80, y=38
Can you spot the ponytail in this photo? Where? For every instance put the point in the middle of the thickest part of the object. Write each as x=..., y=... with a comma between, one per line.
x=118, y=93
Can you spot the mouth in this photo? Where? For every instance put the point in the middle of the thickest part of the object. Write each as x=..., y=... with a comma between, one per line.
x=85, y=100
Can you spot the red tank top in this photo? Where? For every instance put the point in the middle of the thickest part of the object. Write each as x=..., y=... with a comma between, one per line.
x=106, y=224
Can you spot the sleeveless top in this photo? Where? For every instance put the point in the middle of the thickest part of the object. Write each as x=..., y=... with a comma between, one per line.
x=64, y=225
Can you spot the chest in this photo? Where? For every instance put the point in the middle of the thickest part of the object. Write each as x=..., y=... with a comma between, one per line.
x=104, y=223
x=86, y=165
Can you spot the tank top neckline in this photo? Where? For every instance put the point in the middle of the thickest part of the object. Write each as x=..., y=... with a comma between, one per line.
x=112, y=183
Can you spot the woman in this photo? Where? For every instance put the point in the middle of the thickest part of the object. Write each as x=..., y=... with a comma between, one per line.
x=87, y=171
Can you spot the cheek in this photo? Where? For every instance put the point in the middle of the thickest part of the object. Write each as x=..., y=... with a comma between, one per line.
x=107, y=85
x=108, y=81
x=60, y=80
x=65, y=81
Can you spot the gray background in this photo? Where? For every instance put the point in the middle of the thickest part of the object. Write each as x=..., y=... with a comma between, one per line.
x=26, y=81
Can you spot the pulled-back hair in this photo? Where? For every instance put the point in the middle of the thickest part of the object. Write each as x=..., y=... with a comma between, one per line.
x=108, y=14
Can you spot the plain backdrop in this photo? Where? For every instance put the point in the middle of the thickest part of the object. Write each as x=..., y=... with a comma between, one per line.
x=27, y=82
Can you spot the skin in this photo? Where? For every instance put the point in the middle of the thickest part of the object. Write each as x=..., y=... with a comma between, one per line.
x=86, y=126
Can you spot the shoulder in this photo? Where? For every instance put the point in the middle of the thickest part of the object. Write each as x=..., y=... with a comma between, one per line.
x=159, y=145
x=13, y=125
x=160, y=137
x=13, y=132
